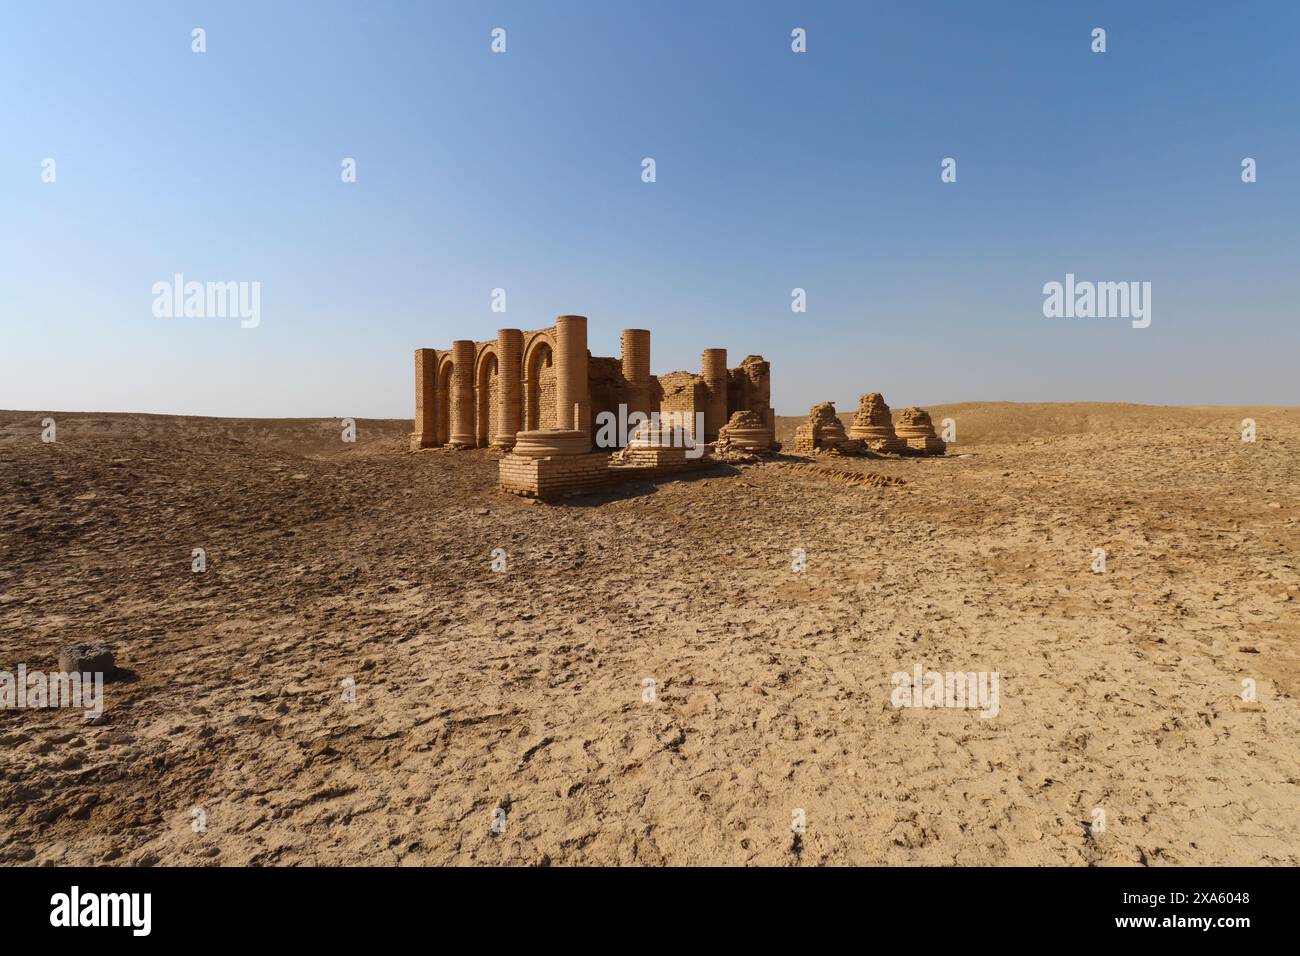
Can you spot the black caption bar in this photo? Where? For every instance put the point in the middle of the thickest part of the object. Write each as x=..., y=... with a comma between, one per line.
x=331, y=906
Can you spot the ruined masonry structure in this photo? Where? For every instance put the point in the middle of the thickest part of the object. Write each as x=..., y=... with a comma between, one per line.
x=873, y=425
x=746, y=432
x=915, y=427
x=821, y=431
x=873, y=428
x=537, y=395
x=654, y=446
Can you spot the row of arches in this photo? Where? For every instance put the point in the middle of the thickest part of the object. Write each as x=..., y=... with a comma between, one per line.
x=536, y=391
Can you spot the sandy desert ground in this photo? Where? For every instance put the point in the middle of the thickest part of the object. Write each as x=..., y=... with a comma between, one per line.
x=523, y=690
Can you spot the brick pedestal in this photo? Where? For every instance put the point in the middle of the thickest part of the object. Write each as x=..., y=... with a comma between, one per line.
x=554, y=477
x=656, y=457
x=925, y=444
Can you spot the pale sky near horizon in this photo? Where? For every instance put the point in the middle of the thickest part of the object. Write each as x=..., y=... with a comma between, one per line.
x=523, y=170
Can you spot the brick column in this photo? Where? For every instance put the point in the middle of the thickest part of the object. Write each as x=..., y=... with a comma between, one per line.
x=462, y=393
x=636, y=369
x=426, y=404
x=714, y=372
x=510, y=373
x=571, y=370
x=636, y=356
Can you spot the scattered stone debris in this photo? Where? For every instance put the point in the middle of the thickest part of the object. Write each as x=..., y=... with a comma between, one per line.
x=86, y=659
x=856, y=479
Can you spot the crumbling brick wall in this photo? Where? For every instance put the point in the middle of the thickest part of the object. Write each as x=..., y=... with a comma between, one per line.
x=546, y=404
x=494, y=412
x=749, y=389
x=683, y=394
x=606, y=387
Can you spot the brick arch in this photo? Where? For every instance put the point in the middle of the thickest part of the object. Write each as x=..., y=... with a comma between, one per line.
x=539, y=382
x=486, y=383
x=443, y=399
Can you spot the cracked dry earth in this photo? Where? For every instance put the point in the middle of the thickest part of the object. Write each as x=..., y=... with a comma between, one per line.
x=524, y=690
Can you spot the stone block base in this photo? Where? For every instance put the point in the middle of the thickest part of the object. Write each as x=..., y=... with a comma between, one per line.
x=655, y=457
x=555, y=476
x=624, y=472
x=806, y=443
x=927, y=445
x=886, y=446
x=756, y=440
x=419, y=441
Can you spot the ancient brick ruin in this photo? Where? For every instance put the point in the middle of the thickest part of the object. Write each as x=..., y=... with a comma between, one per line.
x=746, y=433
x=873, y=430
x=822, y=430
x=873, y=425
x=548, y=403
x=540, y=395
x=915, y=428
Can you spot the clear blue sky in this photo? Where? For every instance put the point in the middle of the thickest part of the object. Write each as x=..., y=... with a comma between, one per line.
x=523, y=171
